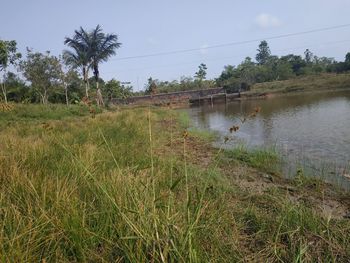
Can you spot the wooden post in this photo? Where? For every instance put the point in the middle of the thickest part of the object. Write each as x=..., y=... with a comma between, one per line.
x=211, y=100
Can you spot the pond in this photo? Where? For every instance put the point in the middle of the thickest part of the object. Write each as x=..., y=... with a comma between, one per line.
x=310, y=131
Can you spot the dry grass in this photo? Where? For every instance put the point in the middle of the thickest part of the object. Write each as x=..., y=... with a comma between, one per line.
x=131, y=186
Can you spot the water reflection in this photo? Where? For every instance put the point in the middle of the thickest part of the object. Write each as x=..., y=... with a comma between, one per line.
x=315, y=127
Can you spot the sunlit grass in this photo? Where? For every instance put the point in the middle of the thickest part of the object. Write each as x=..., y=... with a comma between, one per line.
x=123, y=187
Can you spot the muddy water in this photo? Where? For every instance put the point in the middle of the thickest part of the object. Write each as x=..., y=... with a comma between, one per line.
x=311, y=131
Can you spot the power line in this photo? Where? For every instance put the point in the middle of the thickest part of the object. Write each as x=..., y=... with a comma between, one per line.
x=233, y=43
x=223, y=58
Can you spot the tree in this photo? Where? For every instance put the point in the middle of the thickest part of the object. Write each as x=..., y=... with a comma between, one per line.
x=43, y=71
x=202, y=72
x=16, y=88
x=151, y=87
x=101, y=46
x=68, y=76
x=114, y=89
x=309, y=57
x=80, y=55
x=263, y=53
x=8, y=56
x=347, y=58
x=246, y=71
x=90, y=49
x=296, y=62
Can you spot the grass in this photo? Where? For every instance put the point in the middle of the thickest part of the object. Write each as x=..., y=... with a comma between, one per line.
x=39, y=113
x=320, y=82
x=266, y=160
x=130, y=186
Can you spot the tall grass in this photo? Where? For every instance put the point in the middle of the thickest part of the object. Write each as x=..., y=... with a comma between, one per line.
x=92, y=189
x=122, y=187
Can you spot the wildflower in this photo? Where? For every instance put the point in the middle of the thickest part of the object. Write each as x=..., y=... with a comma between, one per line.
x=234, y=129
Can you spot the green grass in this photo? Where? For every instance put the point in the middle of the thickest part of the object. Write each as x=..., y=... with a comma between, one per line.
x=39, y=112
x=123, y=187
x=312, y=83
x=266, y=160
x=184, y=119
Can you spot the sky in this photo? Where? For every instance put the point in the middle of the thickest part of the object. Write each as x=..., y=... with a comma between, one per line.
x=155, y=26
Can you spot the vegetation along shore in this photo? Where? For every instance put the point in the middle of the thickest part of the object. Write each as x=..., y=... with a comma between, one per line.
x=137, y=185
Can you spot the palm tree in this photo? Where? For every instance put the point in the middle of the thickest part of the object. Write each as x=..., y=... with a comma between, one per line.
x=91, y=49
x=102, y=46
x=80, y=56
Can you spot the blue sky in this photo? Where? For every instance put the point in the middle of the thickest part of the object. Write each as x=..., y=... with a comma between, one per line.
x=146, y=27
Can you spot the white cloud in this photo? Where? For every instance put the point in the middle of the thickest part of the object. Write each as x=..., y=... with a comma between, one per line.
x=264, y=21
x=204, y=49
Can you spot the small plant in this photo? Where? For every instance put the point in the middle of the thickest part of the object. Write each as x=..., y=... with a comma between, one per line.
x=236, y=127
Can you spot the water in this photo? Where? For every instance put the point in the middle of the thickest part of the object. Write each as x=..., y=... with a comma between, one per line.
x=311, y=131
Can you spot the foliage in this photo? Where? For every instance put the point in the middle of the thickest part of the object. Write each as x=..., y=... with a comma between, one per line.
x=8, y=53
x=8, y=56
x=79, y=56
x=202, y=72
x=272, y=68
x=17, y=90
x=309, y=56
x=90, y=49
x=151, y=86
x=43, y=71
x=263, y=53
x=60, y=82
x=113, y=89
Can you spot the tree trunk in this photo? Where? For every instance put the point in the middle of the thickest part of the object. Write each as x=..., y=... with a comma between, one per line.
x=4, y=92
x=45, y=97
x=87, y=87
x=99, y=97
x=66, y=93
x=42, y=98
x=3, y=88
x=86, y=81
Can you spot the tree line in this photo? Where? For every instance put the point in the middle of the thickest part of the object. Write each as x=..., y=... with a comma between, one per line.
x=265, y=68
x=268, y=67
x=66, y=78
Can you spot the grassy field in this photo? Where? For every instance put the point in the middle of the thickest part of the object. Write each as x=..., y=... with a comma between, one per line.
x=135, y=185
x=321, y=82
